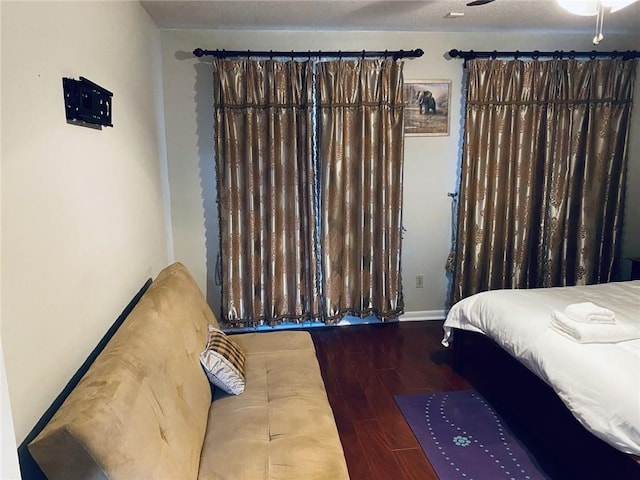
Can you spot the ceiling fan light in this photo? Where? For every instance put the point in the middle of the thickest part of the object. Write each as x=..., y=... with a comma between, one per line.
x=581, y=7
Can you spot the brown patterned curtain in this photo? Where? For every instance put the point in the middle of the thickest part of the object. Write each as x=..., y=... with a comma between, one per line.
x=263, y=129
x=543, y=173
x=309, y=231
x=361, y=157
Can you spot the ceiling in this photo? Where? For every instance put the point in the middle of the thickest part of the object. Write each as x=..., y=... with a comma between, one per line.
x=384, y=15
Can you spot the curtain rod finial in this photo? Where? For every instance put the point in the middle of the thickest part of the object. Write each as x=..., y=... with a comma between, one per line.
x=198, y=52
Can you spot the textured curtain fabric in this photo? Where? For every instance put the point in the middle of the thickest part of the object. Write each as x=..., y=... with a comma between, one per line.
x=265, y=189
x=360, y=164
x=543, y=173
x=587, y=178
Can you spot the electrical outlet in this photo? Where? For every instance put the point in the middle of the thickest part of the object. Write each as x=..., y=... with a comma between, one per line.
x=419, y=281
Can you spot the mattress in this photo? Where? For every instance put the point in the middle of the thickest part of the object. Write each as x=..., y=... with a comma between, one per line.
x=598, y=382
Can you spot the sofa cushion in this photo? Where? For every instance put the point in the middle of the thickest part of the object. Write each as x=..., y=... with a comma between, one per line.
x=141, y=409
x=282, y=426
x=223, y=361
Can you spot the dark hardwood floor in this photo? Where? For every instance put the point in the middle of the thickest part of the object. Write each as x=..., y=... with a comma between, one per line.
x=363, y=367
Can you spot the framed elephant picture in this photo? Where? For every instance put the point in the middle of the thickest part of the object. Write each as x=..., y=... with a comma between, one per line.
x=427, y=107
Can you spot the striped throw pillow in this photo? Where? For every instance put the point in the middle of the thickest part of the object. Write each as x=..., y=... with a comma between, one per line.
x=223, y=360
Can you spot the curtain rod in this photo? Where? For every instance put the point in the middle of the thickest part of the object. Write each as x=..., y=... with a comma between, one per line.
x=537, y=53
x=199, y=52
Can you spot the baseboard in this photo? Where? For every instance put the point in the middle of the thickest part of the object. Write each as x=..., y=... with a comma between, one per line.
x=422, y=315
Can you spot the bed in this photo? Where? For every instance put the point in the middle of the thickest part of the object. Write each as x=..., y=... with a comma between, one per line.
x=599, y=383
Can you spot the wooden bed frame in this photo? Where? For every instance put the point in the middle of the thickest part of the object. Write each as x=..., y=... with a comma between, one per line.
x=562, y=446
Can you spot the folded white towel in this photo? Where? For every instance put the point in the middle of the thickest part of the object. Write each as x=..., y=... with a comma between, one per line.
x=590, y=312
x=583, y=332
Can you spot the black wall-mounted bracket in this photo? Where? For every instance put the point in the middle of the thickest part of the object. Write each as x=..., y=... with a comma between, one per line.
x=86, y=103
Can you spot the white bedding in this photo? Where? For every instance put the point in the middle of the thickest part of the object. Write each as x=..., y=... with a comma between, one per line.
x=599, y=383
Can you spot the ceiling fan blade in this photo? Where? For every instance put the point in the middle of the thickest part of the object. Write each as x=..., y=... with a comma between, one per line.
x=476, y=3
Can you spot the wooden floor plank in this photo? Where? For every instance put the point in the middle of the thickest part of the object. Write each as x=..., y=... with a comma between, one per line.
x=331, y=384
x=353, y=451
x=381, y=459
x=364, y=366
x=398, y=433
x=414, y=465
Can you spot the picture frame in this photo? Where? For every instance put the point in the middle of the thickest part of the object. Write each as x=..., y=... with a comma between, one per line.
x=427, y=107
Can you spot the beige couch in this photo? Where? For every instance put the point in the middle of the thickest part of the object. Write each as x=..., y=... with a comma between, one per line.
x=144, y=409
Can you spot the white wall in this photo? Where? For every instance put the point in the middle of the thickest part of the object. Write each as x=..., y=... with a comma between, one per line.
x=9, y=469
x=83, y=223
x=431, y=163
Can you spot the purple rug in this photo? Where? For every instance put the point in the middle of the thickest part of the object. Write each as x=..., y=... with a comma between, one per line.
x=464, y=438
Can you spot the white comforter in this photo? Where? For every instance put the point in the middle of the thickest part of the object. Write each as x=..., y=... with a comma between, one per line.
x=599, y=383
